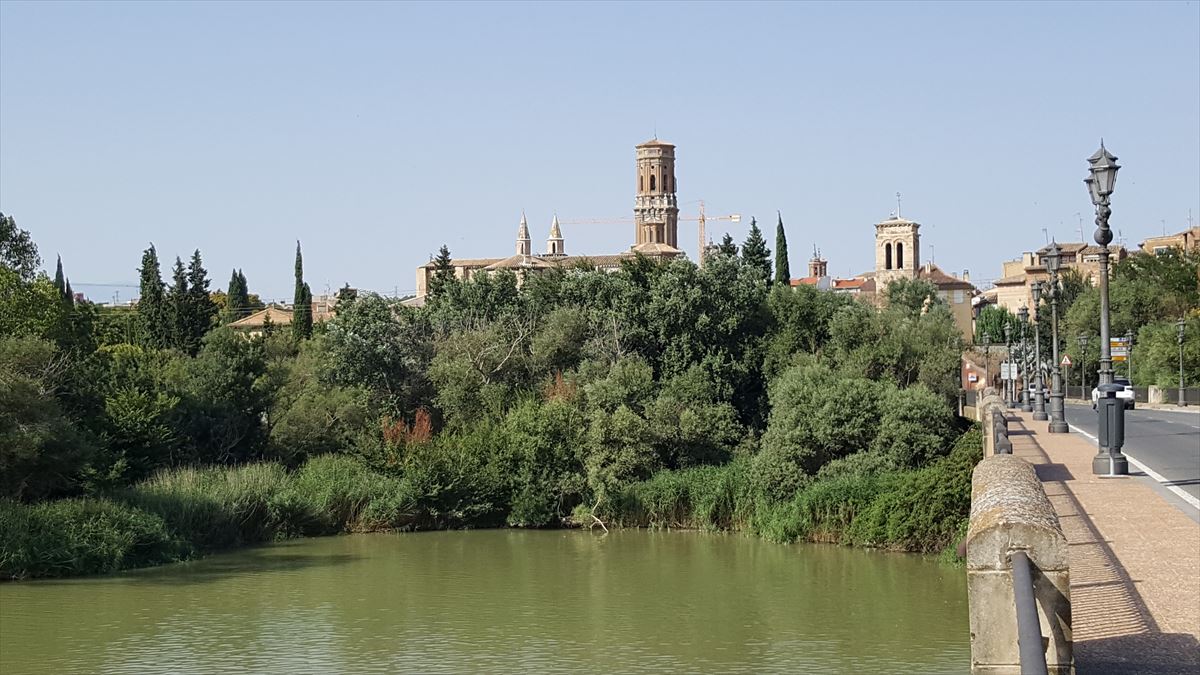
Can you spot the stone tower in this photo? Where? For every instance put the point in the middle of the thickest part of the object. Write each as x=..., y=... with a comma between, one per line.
x=818, y=267
x=555, y=245
x=897, y=250
x=523, y=242
x=655, y=210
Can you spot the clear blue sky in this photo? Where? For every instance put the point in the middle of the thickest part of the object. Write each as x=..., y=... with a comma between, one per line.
x=376, y=132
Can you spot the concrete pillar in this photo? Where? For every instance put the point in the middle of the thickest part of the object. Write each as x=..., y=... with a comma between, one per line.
x=1010, y=512
x=1155, y=395
x=989, y=406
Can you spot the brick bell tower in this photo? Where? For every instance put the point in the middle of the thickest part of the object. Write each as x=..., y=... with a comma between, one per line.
x=655, y=210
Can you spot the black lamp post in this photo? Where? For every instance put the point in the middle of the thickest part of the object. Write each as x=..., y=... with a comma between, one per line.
x=1039, y=398
x=1023, y=315
x=1100, y=182
x=1011, y=384
x=1083, y=341
x=1058, y=421
x=987, y=363
x=1180, y=324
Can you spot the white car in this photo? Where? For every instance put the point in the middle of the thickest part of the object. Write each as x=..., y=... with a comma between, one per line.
x=1126, y=394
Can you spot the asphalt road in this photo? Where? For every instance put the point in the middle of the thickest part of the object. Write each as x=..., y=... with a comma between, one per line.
x=1166, y=441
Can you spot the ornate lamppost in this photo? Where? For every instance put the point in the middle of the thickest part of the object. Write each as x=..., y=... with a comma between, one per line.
x=1129, y=355
x=1180, y=325
x=1010, y=386
x=1083, y=341
x=1058, y=421
x=1023, y=315
x=987, y=361
x=1039, y=398
x=1100, y=182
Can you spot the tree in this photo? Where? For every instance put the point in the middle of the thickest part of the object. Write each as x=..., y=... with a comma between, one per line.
x=914, y=296
x=991, y=321
x=443, y=272
x=17, y=250
x=200, y=308
x=178, y=306
x=755, y=251
x=237, y=298
x=152, y=307
x=783, y=272
x=727, y=247
x=301, y=302
x=59, y=282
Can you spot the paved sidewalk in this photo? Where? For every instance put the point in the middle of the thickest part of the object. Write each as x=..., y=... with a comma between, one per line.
x=1135, y=559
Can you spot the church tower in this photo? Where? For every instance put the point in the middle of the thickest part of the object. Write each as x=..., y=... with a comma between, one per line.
x=655, y=210
x=555, y=246
x=897, y=250
x=523, y=242
x=818, y=267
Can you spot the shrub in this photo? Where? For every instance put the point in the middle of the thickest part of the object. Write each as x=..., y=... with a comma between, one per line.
x=916, y=426
x=80, y=536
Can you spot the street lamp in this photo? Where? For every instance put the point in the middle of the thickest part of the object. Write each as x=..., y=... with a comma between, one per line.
x=1102, y=178
x=1023, y=315
x=987, y=363
x=1129, y=354
x=1010, y=385
x=1058, y=422
x=1083, y=342
x=1180, y=324
x=1039, y=398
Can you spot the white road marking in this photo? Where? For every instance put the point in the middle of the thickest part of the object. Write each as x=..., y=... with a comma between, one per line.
x=1179, y=492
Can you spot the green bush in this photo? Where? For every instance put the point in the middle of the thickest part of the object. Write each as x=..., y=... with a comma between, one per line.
x=915, y=426
x=333, y=492
x=80, y=536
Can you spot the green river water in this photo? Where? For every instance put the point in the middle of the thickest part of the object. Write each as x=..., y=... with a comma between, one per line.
x=501, y=601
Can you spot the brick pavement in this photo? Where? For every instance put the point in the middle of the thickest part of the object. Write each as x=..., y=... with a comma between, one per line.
x=1135, y=559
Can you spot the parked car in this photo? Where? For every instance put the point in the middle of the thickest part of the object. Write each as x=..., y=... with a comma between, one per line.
x=1125, y=394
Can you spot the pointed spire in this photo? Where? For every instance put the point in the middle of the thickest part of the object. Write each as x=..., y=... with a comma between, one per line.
x=554, y=243
x=523, y=244
x=555, y=233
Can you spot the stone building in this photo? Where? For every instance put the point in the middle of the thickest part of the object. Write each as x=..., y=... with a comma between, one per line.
x=1013, y=289
x=898, y=256
x=1188, y=240
x=656, y=229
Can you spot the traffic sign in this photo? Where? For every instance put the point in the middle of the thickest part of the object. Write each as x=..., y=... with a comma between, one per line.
x=1066, y=360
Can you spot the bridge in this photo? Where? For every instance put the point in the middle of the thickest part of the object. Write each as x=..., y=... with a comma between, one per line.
x=1105, y=570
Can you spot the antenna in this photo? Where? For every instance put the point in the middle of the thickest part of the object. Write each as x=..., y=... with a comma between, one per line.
x=1046, y=235
x=1079, y=216
x=897, y=206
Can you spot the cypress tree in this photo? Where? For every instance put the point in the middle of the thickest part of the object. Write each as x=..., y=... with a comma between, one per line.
x=443, y=271
x=151, y=307
x=727, y=247
x=783, y=272
x=243, y=293
x=177, y=307
x=755, y=252
x=201, y=309
x=301, y=302
x=68, y=294
x=59, y=281
x=233, y=309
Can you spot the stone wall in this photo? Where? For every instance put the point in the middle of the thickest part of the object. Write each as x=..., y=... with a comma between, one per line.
x=1010, y=512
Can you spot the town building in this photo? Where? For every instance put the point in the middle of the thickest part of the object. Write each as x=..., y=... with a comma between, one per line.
x=1188, y=240
x=656, y=230
x=898, y=256
x=324, y=308
x=1013, y=289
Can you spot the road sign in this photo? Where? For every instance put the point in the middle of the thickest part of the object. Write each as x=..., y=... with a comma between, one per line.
x=1066, y=360
x=1117, y=342
x=1008, y=371
x=1119, y=351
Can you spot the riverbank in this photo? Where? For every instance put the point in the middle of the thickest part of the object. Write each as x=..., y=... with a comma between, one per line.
x=186, y=513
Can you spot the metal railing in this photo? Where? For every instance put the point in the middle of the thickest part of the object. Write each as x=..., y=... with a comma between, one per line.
x=1029, y=628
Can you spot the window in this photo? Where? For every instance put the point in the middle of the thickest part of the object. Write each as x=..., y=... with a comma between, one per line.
x=640, y=179
x=958, y=297
x=887, y=256
x=899, y=256
x=1159, y=250
x=652, y=182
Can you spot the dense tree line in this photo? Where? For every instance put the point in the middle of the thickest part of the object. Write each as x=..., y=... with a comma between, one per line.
x=527, y=402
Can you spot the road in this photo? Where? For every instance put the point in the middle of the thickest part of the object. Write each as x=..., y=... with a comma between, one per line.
x=1166, y=441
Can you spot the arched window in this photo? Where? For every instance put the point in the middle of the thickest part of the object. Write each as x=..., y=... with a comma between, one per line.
x=640, y=177
x=652, y=182
x=887, y=256
x=899, y=256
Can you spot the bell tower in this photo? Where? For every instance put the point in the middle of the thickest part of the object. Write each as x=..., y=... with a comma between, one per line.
x=655, y=209
x=897, y=250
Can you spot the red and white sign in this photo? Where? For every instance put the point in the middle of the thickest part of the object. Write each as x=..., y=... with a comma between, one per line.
x=1066, y=360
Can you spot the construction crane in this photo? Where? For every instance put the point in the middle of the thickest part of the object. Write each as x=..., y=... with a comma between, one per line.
x=700, y=219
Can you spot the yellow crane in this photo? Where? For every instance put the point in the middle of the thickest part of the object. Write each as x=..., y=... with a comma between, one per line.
x=700, y=219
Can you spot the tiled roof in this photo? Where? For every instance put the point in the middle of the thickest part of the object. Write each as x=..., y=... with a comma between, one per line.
x=655, y=141
x=806, y=281
x=519, y=261
x=1013, y=280
x=933, y=273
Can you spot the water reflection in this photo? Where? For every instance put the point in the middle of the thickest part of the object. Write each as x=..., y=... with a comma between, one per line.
x=502, y=600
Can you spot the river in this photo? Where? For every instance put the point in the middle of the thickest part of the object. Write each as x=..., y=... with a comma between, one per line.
x=501, y=601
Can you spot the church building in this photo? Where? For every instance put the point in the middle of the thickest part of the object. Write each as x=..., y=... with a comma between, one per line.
x=656, y=229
